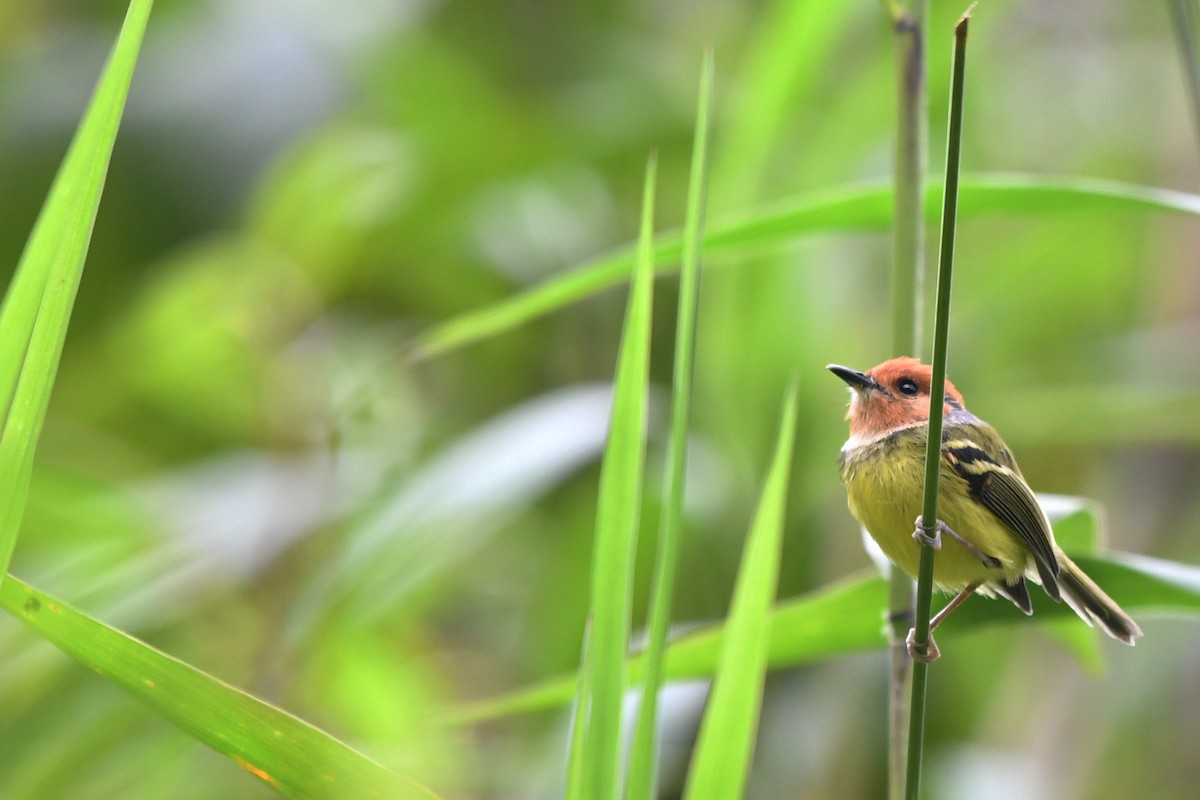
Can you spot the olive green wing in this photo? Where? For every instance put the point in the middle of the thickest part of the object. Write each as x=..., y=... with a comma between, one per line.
x=977, y=455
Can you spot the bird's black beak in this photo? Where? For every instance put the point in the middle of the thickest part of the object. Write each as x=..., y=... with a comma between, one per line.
x=858, y=381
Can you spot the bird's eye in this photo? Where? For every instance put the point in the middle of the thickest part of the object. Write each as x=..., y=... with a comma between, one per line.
x=907, y=386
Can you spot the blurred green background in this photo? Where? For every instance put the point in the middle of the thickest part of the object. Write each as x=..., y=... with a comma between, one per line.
x=242, y=467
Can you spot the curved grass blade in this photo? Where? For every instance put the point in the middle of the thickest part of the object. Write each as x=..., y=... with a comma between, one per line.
x=728, y=732
x=640, y=781
x=37, y=306
x=847, y=618
x=617, y=512
x=289, y=755
x=859, y=207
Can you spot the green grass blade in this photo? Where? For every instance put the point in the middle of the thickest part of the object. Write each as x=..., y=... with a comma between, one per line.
x=37, y=306
x=575, y=750
x=834, y=621
x=641, y=778
x=617, y=513
x=860, y=207
x=289, y=755
x=846, y=618
x=728, y=732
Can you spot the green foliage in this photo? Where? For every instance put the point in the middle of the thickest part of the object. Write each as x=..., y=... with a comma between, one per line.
x=617, y=511
x=843, y=619
x=725, y=745
x=270, y=453
x=291, y=756
x=848, y=208
x=37, y=306
x=644, y=749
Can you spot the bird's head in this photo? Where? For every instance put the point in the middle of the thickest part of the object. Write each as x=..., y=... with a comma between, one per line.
x=893, y=395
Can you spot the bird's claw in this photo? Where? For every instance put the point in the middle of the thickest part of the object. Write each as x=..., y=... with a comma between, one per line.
x=924, y=537
x=931, y=654
x=934, y=540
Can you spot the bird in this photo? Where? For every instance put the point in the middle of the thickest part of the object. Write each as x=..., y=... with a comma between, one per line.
x=991, y=533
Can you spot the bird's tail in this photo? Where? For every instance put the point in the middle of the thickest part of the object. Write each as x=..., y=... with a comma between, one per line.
x=1092, y=604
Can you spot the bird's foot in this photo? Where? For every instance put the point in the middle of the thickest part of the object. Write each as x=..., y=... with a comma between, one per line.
x=931, y=654
x=931, y=536
x=923, y=536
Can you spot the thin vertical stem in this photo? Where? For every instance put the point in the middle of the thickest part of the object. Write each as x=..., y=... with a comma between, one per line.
x=908, y=268
x=933, y=450
x=908, y=177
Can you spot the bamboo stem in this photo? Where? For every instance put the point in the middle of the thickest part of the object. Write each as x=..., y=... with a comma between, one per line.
x=908, y=274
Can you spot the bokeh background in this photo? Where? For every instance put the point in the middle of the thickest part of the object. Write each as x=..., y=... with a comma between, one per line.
x=242, y=466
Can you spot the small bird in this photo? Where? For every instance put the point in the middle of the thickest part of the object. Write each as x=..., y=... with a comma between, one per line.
x=996, y=533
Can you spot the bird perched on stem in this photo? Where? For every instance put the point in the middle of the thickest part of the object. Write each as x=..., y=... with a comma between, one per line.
x=991, y=533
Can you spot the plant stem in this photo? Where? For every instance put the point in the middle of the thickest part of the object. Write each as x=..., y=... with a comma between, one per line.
x=908, y=268
x=908, y=177
x=933, y=450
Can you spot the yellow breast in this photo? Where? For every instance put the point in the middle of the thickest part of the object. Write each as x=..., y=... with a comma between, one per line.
x=884, y=482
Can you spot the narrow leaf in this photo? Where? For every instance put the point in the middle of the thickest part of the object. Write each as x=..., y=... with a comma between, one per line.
x=575, y=750
x=37, y=306
x=858, y=207
x=847, y=618
x=286, y=753
x=617, y=512
x=643, y=754
x=728, y=732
